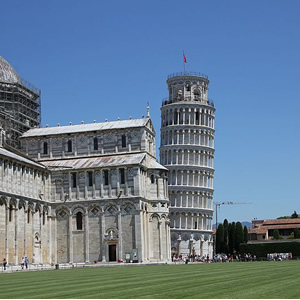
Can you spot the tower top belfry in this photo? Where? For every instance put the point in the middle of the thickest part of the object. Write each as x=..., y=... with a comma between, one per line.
x=188, y=86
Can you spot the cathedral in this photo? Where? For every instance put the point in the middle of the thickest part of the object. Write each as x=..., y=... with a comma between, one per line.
x=78, y=193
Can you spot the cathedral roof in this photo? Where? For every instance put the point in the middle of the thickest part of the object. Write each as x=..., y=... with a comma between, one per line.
x=8, y=73
x=96, y=162
x=12, y=155
x=86, y=127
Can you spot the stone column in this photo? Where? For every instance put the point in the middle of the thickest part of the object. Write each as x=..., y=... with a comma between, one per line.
x=87, y=237
x=160, y=239
x=138, y=234
x=103, y=237
x=16, y=218
x=70, y=239
x=120, y=235
x=6, y=229
x=25, y=228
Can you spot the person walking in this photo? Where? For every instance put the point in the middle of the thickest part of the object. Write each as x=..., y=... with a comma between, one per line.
x=22, y=263
x=4, y=263
x=26, y=262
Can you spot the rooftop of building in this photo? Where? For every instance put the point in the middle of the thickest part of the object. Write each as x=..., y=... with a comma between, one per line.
x=187, y=74
x=262, y=226
x=12, y=153
x=120, y=124
x=8, y=73
x=104, y=161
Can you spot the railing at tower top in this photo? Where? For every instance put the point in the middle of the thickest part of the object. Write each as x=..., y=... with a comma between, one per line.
x=186, y=73
x=208, y=102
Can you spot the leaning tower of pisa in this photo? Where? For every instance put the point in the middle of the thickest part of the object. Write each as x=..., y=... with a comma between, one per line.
x=187, y=150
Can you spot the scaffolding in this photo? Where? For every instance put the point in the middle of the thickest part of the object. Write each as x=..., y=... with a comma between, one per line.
x=20, y=109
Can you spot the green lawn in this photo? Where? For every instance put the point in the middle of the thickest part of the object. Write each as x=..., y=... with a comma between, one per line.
x=220, y=280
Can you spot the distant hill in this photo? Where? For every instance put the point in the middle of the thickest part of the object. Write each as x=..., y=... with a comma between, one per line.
x=244, y=223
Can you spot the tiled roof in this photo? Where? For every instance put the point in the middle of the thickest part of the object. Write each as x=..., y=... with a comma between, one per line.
x=281, y=221
x=85, y=127
x=96, y=162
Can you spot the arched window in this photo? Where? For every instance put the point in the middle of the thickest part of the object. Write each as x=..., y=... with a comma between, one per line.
x=95, y=143
x=196, y=94
x=79, y=220
x=45, y=148
x=152, y=178
x=69, y=146
x=10, y=213
x=28, y=215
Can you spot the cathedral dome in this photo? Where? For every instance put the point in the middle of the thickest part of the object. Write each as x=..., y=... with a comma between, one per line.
x=8, y=73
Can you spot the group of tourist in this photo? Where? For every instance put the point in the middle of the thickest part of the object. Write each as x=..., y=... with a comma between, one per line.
x=190, y=258
x=233, y=257
x=24, y=263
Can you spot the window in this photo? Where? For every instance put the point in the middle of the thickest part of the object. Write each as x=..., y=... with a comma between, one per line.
x=95, y=143
x=28, y=216
x=45, y=148
x=69, y=146
x=10, y=213
x=105, y=177
x=122, y=176
x=79, y=221
x=44, y=218
x=123, y=141
x=152, y=178
x=74, y=181
x=197, y=117
x=90, y=177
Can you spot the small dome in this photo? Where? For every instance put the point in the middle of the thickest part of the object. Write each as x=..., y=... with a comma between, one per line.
x=8, y=73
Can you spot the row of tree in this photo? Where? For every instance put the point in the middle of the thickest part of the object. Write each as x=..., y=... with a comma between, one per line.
x=229, y=236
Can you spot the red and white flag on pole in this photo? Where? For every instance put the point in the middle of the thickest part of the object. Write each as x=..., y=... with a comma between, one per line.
x=184, y=58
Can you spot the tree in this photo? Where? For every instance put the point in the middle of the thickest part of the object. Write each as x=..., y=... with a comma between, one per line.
x=225, y=246
x=276, y=235
x=231, y=240
x=219, y=238
x=296, y=233
x=294, y=215
x=239, y=236
x=245, y=234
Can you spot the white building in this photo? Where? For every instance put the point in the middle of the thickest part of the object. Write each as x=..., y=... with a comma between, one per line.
x=84, y=193
x=187, y=150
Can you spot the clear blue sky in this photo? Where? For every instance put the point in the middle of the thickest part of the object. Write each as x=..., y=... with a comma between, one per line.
x=107, y=59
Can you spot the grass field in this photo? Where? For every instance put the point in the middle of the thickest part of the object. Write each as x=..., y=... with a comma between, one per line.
x=220, y=280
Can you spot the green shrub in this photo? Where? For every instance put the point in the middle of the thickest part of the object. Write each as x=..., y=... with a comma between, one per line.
x=263, y=248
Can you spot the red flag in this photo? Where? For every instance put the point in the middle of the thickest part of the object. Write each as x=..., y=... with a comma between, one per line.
x=184, y=58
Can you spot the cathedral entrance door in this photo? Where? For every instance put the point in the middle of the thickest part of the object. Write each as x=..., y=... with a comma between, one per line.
x=112, y=249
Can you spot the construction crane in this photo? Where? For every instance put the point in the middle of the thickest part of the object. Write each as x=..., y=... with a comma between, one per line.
x=218, y=204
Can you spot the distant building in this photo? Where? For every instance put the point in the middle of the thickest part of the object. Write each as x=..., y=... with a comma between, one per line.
x=81, y=193
x=187, y=150
x=263, y=230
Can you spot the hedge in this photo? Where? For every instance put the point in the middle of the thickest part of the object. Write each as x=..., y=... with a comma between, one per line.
x=262, y=249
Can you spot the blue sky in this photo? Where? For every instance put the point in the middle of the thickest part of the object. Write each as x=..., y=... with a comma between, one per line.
x=106, y=59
